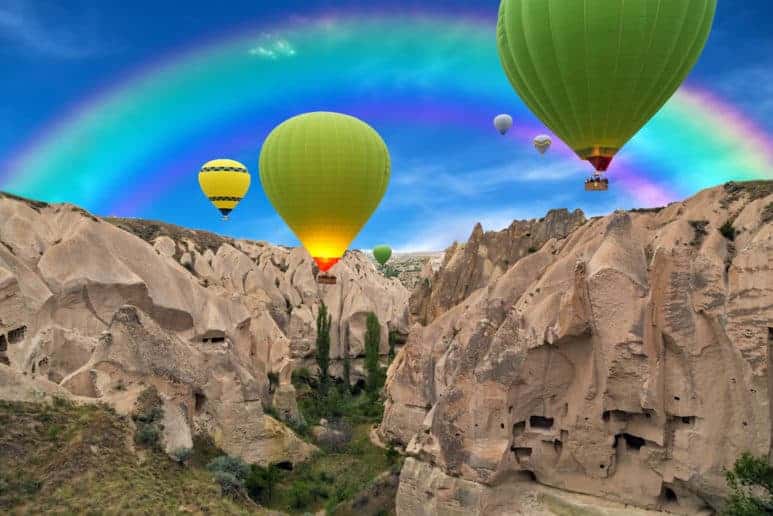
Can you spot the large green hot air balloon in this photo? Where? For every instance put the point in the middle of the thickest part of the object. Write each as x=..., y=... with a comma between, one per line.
x=325, y=173
x=595, y=71
x=382, y=253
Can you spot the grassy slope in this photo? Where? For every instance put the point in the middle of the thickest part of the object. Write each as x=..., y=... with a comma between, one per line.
x=60, y=458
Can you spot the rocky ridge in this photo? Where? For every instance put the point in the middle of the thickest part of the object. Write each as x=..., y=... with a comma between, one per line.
x=626, y=357
x=100, y=309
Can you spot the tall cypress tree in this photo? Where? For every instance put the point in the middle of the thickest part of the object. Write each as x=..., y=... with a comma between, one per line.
x=372, y=342
x=323, y=343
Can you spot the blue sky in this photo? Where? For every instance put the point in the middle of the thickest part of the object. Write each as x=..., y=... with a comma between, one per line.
x=56, y=53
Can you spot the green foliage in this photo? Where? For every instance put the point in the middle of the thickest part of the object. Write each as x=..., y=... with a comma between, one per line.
x=751, y=486
x=393, y=456
x=230, y=486
x=388, y=271
x=532, y=249
x=261, y=481
x=347, y=375
x=149, y=436
x=393, y=336
x=181, y=455
x=147, y=416
x=323, y=343
x=727, y=230
x=372, y=344
x=301, y=377
x=231, y=465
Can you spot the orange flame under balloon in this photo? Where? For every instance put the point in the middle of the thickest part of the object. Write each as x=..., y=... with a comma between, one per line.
x=325, y=264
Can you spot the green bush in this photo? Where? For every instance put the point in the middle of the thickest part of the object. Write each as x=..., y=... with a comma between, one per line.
x=751, y=487
x=229, y=484
x=301, y=377
x=148, y=435
x=181, y=455
x=231, y=465
x=260, y=483
x=532, y=249
x=727, y=230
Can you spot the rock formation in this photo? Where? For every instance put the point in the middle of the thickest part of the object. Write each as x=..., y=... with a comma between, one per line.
x=100, y=309
x=625, y=358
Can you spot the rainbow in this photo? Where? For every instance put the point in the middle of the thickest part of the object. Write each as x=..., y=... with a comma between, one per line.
x=427, y=82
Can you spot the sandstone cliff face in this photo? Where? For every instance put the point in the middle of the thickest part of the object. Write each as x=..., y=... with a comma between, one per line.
x=484, y=258
x=626, y=359
x=101, y=310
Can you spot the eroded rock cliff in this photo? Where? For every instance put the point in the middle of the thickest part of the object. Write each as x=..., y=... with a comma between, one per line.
x=103, y=308
x=626, y=358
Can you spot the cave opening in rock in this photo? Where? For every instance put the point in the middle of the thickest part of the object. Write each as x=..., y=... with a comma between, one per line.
x=521, y=452
x=518, y=428
x=284, y=465
x=668, y=495
x=633, y=441
x=199, y=399
x=218, y=340
x=541, y=422
x=17, y=335
x=688, y=420
x=3, y=343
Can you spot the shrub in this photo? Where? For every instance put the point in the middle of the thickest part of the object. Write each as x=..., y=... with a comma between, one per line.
x=148, y=435
x=181, y=455
x=229, y=484
x=231, y=465
x=392, y=455
x=751, y=486
x=301, y=376
x=300, y=495
x=727, y=230
x=532, y=249
x=323, y=343
x=147, y=415
x=260, y=482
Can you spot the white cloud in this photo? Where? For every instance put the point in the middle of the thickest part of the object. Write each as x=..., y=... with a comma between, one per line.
x=440, y=230
x=424, y=185
x=25, y=27
x=273, y=49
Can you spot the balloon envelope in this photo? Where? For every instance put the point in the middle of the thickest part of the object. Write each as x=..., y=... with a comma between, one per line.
x=325, y=174
x=542, y=143
x=225, y=182
x=382, y=253
x=503, y=123
x=595, y=71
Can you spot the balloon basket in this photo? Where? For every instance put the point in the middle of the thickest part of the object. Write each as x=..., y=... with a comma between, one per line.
x=596, y=184
x=325, y=279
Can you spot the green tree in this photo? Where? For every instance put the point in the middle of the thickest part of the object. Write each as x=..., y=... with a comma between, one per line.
x=392, y=342
x=751, y=487
x=372, y=343
x=323, y=343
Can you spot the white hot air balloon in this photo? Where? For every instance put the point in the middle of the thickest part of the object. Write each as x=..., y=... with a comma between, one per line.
x=542, y=143
x=503, y=123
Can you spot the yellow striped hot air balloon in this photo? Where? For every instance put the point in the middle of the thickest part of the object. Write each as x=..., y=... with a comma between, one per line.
x=225, y=182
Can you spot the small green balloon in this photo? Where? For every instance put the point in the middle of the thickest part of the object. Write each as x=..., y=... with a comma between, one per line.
x=382, y=253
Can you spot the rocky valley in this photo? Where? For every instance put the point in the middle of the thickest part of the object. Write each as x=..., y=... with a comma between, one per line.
x=563, y=365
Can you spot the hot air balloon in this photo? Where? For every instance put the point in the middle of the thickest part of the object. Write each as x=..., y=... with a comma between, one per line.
x=595, y=71
x=542, y=143
x=225, y=182
x=503, y=123
x=325, y=174
x=382, y=253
